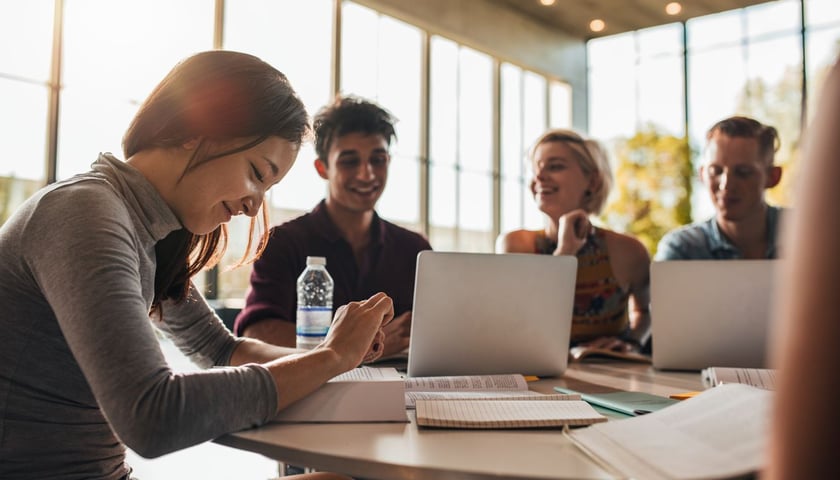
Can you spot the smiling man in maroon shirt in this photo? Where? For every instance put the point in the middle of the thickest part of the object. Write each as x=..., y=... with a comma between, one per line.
x=365, y=254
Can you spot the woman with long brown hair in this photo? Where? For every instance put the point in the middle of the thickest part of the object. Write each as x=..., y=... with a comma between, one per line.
x=90, y=264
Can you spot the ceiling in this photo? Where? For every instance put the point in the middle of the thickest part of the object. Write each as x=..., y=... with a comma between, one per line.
x=573, y=16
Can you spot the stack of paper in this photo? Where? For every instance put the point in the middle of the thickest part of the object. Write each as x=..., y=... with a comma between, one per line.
x=720, y=433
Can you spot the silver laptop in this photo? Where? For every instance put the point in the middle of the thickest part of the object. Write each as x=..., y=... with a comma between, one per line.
x=711, y=313
x=483, y=313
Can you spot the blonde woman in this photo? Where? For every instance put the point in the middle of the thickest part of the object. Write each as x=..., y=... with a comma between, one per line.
x=571, y=181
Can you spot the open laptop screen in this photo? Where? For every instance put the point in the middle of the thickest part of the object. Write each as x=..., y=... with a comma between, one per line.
x=711, y=313
x=481, y=313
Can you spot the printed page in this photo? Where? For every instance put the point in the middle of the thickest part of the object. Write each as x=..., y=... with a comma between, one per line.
x=368, y=374
x=504, y=413
x=757, y=377
x=411, y=398
x=466, y=383
x=720, y=433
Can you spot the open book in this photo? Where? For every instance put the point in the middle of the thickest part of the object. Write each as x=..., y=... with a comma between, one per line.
x=537, y=411
x=364, y=394
x=466, y=387
x=581, y=352
x=757, y=377
x=720, y=433
x=382, y=394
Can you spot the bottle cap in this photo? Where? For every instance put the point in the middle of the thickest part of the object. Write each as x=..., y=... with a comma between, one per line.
x=316, y=260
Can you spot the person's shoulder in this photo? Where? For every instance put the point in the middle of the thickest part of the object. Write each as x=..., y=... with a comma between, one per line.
x=695, y=233
x=92, y=198
x=83, y=185
x=77, y=211
x=624, y=245
x=517, y=241
x=689, y=241
x=690, y=230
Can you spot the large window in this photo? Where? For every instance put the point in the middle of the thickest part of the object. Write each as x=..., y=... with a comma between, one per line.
x=612, y=73
x=753, y=68
x=446, y=177
x=524, y=117
x=637, y=112
x=461, y=155
x=253, y=27
x=560, y=104
x=381, y=59
x=747, y=61
x=24, y=96
x=636, y=82
x=822, y=22
x=111, y=63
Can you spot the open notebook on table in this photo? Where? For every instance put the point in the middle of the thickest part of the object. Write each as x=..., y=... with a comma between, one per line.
x=540, y=411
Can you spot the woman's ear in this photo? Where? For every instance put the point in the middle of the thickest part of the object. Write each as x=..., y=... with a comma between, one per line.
x=321, y=168
x=533, y=187
x=595, y=183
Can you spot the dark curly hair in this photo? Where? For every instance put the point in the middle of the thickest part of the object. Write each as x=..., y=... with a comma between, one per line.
x=350, y=114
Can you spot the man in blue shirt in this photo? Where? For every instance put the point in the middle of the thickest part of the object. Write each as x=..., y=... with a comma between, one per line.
x=737, y=169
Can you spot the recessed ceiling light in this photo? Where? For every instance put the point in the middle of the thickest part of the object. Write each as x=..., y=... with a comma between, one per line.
x=673, y=8
x=547, y=3
x=597, y=25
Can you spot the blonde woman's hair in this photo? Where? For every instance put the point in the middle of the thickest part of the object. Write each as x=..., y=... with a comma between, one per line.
x=592, y=159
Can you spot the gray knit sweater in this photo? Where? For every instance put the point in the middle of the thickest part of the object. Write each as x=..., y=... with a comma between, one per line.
x=81, y=371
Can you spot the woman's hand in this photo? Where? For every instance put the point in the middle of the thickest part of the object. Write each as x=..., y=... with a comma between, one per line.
x=572, y=229
x=357, y=334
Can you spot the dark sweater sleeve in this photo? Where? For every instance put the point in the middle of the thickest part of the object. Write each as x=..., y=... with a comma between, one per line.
x=91, y=279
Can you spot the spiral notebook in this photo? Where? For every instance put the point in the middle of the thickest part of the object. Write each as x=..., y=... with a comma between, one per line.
x=541, y=411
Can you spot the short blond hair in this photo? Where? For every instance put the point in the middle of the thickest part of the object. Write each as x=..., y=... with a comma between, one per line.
x=592, y=159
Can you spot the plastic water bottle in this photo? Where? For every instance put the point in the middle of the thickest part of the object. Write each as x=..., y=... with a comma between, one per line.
x=314, y=303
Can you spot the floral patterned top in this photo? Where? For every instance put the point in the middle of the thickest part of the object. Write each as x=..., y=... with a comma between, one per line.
x=600, y=307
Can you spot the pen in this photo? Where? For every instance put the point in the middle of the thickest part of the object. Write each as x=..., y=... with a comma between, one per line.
x=640, y=412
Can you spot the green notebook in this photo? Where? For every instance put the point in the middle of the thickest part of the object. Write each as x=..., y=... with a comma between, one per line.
x=628, y=403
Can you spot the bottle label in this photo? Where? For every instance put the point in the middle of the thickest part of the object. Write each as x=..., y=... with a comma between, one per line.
x=313, y=321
